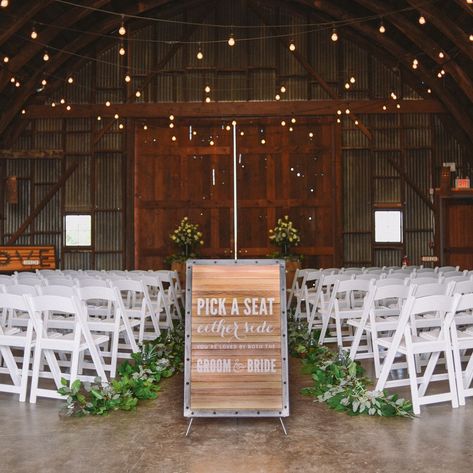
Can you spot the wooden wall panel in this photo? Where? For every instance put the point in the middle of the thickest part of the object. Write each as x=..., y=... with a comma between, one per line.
x=292, y=173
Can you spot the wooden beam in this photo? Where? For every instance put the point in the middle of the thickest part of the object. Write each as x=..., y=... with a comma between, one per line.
x=310, y=70
x=281, y=108
x=31, y=154
x=35, y=212
x=411, y=183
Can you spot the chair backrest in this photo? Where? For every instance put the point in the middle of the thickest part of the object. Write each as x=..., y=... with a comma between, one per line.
x=11, y=303
x=425, y=271
x=463, y=287
x=425, y=280
x=446, y=269
x=329, y=271
x=90, y=282
x=368, y=276
x=435, y=289
x=456, y=279
x=451, y=274
x=128, y=285
x=7, y=280
x=30, y=281
x=59, y=281
x=21, y=289
x=391, y=281
x=55, y=290
x=25, y=274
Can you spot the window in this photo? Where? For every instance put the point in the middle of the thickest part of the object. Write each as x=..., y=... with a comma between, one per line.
x=78, y=230
x=388, y=226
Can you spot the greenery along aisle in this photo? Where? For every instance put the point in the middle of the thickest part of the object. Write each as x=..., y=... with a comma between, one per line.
x=338, y=380
x=137, y=379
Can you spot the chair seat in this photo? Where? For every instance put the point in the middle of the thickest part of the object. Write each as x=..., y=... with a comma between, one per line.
x=53, y=337
x=419, y=345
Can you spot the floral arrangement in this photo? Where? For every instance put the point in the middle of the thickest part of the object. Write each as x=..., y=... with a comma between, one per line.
x=187, y=237
x=284, y=235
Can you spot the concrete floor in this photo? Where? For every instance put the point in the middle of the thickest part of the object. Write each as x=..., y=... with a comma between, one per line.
x=151, y=439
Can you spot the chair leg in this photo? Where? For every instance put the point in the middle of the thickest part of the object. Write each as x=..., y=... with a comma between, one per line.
x=35, y=372
x=451, y=375
x=411, y=367
x=459, y=376
x=429, y=370
x=338, y=326
x=325, y=320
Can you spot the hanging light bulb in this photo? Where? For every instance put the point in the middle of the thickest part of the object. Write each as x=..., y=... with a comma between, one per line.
x=293, y=120
x=471, y=39
x=382, y=28
x=34, y=33
x=44, y=82
x=13, y=80
x=122, y=29
x=4, y=3
x=68, y=108
x=127, y=78
x=171, y=125
x=439, y=75
x=347, y=85
x=277, y=97
x=45, y=56
x=441, y=55
x=422, y=20
x=17, y=84
x=356, y=122
x=263, y=141
x=145, y=127
x=415, y=64
x=62, y=101
x=228, y=128
x=23, y=112
x=334, y=36
x=283, y=123
x=283, y=89
x=442, y=72
x=234, y=123
x=6, y=59
x=291, y=129
x=429, y=91
x=338, y=120
x=70, y=80
x=121, y=51
x=200, y=55
x=352, y=80
x=311, y=135
x=207, y=99
x=99, y=118
x=107, y=103
x=398, y=105
x=53, y=104
x=116, y=116
x=173, y=138
x=207, y=89
x=292, y=46
x=347, y=111
x=393, y=96
x=138, y=93
x=171, y=117
x=242, y=133
x=339, y=112
x=385, y=108
x=121, y=126
x=231, y=40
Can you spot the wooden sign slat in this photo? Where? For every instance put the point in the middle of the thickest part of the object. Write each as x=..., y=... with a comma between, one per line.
x=236, y=347
x=27, y=258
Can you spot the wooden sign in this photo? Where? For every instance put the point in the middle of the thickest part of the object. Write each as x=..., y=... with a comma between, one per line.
x=236, y=339
x=27, y=258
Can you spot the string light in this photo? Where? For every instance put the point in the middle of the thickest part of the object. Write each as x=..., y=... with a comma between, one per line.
x=34, y=33
x=441, y=55
x=334, y=36
x=283, y=123
x=231, y=40
x=68, y=108
x=207, y=99
x=228, y=128
x=338, y=120
x=356, y=122
x=242, y=133
x=171, y=117
x=199, y=55
x=211, y=142
x=293, y=120
x=173, y=138
x=23, y=111
x=398, y=105
x=352, y=79
x=122, y=29
x=107, y=103
x=127, y=78
x=382, y=28
x=429, y=91
x=292, y=46
x=415, y=63
x=121, y=51
x=393, y=96
x=207, y=89
x=347, y=111
x=145, y=127
x=263, y=141
x=116, y=116
x=385, y=108
x=291, y=129
x=4, y=3
x=62, y=101
x=471, y=39
x=53, y=104
x=347, y=85
x=121, y=126
x=339, y=112
x=13, y=80
x=234, y=122
x=99, y=118
x=311, y=135
x=277, y=97
x=422, y=20
x=283, y=89
x=17, y=84
x=171, y=125
x=45, y=56
x=70, y=80
x=6, y=58
x=44, y=82
x=138, y=93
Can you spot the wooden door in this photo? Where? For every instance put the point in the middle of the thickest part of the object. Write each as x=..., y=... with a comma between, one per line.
x=279, y=172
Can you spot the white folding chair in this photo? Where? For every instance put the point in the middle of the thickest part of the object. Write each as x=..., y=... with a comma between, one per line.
x=297, y=283
x=115, y=325
x=17, y=339
x=49, y=342
x=462, y=342
x=405, y=344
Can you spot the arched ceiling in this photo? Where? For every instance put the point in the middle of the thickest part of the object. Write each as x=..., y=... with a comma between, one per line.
x=444, y=42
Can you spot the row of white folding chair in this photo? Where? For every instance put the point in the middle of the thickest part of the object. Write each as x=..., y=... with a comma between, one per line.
x=446, y=339
x=47, y=343
x=106, y=311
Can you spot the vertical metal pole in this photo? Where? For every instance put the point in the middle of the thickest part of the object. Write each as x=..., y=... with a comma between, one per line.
x=235, y=210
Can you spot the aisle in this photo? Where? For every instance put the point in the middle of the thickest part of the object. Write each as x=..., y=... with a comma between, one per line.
x=34, y=438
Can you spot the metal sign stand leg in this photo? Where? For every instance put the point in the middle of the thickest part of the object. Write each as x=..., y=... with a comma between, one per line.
x=283, y=426
x=188, y=431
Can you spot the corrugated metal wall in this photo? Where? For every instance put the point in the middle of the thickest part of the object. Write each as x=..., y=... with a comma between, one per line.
x=417, y=143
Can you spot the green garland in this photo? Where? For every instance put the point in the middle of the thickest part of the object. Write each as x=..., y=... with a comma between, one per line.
x=340, y=381
x=137, y=379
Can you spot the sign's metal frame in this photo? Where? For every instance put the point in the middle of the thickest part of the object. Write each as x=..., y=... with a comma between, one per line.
x=284, y=412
